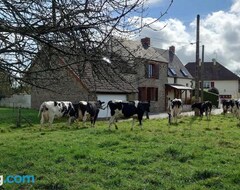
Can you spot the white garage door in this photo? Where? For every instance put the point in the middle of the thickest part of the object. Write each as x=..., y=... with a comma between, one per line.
x=107, y=97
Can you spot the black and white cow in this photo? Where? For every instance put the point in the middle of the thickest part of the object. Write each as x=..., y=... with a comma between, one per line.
x=92, y=108
x=56, y=109
x=228, y=105
x=203, y=107
x=175, y=108
x=235, y=108
x=119, y=108
x=231, y=105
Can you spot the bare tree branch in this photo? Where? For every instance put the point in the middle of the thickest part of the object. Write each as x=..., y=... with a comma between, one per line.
x=80, y=29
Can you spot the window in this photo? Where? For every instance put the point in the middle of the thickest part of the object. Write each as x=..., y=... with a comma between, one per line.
x=184, y=72
x=152, y=71
x=147, y=94
x=208, y=84
x=172, y=71
x=212, y=84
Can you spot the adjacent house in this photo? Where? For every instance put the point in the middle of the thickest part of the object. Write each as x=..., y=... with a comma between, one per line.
x=216, y=75
x=180, y=81
x=151, y=71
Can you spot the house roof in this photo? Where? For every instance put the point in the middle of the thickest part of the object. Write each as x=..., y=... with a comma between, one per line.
x=136, y=49
x=100, y=77
x=213, y=71
x=175, y=66
x=179, y=87
x=95, y=75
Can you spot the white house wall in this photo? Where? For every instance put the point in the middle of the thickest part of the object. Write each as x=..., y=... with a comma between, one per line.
x=227, y=88
x=107, y=97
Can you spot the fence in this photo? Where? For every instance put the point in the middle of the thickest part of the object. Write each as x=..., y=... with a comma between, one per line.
x=17, y=100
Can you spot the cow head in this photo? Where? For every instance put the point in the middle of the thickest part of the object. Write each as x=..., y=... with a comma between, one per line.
x=100, y=104
x=59, y=106
x=193, y=106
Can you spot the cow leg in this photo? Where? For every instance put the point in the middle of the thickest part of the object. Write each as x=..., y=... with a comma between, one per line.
x=71, y=120
x=112, y=120
x=140, y=124
x=95, y=117
x=169, y=118
x=208, y=114
x=42, y=120
x=51, y=118
x=84, y=119
x=224, y=110
x=92, y=121
x=147, y=115
x=140, y=117
x=132, y=124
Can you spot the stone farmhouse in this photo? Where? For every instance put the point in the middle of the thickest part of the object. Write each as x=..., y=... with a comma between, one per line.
x=60, y=77
x=140, y=72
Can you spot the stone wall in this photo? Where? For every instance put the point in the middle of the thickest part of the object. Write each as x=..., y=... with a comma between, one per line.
x=156, y=106
x=68, y=89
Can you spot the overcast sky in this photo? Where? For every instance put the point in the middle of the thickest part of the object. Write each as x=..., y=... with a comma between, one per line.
x=219, y=29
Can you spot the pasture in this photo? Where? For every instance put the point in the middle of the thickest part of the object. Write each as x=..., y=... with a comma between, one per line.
x=194, y=154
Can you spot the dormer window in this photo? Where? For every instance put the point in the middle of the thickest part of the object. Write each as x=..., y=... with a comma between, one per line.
x=184, y=73
x=172, y=71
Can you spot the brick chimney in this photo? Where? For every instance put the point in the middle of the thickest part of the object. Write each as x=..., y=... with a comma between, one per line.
x=172, y=49
x=171, y=53
x=145, y=42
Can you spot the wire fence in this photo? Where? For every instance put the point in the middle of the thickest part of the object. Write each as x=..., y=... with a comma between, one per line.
x=18, y=117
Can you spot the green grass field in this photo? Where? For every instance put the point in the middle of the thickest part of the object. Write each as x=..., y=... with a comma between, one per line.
x=194, y=154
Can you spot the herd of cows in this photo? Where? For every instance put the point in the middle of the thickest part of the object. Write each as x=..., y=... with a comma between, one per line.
x=55, y=109
x=122, y=109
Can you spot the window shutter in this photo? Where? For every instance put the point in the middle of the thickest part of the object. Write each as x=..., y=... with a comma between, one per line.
x=156, y=71
x=142, y=93
x=156, y=94
x=146, y=70
x=212, y=84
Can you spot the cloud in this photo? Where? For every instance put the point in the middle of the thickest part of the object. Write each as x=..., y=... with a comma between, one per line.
x=235, y=7
x=153, y=2
x=219, y=33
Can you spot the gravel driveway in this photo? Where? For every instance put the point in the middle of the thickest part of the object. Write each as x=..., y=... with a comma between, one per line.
x=189, y=113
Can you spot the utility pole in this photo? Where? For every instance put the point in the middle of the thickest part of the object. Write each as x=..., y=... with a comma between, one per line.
x=197, y=73
x=197, y=62
x=202, y=73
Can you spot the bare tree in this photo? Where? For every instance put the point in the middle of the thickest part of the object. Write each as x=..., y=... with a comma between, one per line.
x=68, y=27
